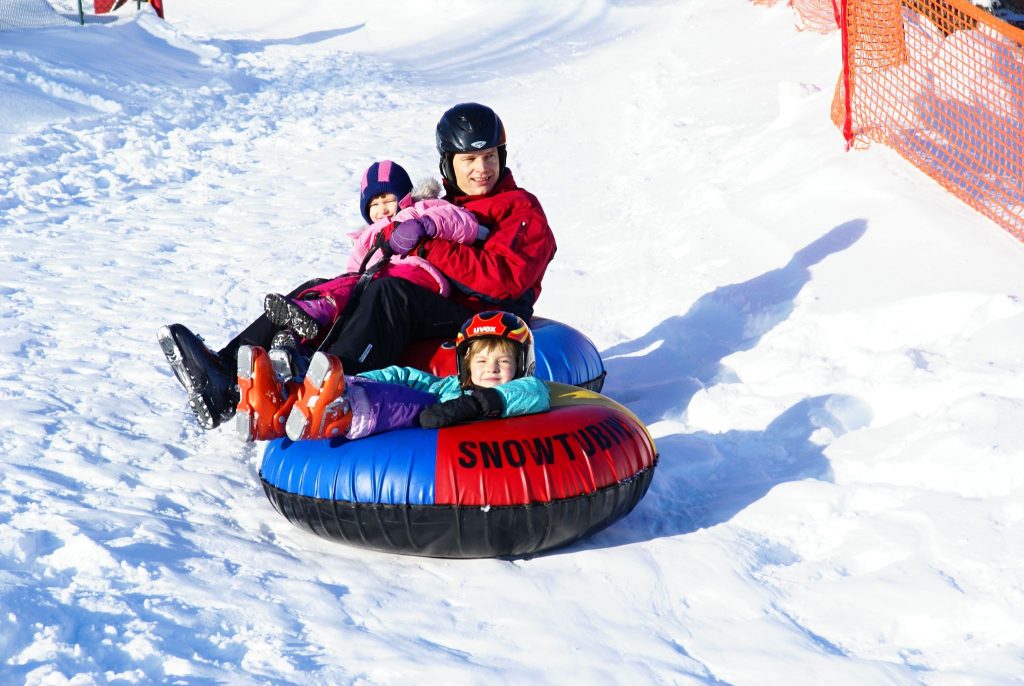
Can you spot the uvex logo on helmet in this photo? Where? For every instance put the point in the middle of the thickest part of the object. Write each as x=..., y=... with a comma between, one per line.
x=479, y=330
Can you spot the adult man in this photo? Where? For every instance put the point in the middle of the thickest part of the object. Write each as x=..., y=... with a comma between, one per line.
x=504, y=271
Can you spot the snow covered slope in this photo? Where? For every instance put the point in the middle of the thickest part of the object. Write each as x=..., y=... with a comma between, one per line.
x=826, y=346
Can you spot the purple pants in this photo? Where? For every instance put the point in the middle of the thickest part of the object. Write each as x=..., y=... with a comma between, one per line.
x=378, y=407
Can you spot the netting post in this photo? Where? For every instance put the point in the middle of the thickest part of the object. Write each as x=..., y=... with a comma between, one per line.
x=842, y=19
x=81, y=13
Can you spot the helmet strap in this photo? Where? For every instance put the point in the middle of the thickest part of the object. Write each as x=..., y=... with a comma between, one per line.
x=448, y=173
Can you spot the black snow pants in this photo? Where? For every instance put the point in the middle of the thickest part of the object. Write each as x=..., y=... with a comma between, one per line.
x=391, y=314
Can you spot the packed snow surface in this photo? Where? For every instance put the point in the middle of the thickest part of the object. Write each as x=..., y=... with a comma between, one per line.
x=825, y=345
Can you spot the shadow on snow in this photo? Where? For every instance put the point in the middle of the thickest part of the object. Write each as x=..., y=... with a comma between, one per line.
x=703, y=479
x=238, y=46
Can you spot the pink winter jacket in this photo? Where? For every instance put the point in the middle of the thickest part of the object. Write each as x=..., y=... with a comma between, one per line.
x=453, y=224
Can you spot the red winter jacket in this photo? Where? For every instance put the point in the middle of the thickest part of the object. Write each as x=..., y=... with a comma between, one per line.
x=506, y=270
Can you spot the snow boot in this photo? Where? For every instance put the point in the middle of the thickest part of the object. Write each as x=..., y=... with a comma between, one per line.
x=306, y=317
x=264, y=401
x=322, y=409
x=212, y=394
x=288, y=356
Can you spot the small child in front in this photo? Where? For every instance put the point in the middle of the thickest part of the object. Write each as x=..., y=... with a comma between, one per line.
x=495, y=362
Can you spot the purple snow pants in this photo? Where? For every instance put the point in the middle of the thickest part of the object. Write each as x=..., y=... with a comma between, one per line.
x=378, y=407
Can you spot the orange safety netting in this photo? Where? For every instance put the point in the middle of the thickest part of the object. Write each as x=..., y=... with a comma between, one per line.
x=821, y=16
x=942, y=83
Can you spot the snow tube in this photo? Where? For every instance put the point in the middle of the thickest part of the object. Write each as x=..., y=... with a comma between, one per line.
x=504, y=487
x=563, y=354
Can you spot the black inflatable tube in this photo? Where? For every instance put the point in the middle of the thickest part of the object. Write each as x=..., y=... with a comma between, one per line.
x=450, y=531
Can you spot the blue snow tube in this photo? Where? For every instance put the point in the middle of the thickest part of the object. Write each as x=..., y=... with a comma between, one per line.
x=500, y=487
x=563, y=354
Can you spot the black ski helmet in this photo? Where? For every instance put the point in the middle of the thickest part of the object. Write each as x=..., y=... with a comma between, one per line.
x=468, y=127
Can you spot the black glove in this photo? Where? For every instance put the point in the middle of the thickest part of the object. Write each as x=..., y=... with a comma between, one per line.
x=381, y=243
x=482, y=402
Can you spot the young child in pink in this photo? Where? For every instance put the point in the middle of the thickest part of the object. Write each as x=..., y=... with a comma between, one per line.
x=387, y=198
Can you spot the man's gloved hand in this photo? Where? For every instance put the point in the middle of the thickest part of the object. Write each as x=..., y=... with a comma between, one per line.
x=482, y=402
x=380, y=242
x=405, y=236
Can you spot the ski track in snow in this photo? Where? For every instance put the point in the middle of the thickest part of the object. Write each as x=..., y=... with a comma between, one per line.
x=838, y=498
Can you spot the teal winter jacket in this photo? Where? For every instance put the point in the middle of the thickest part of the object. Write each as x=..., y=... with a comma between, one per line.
x=527, y=395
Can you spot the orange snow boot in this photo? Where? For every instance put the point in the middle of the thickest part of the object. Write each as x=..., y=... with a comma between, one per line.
x=264, y=402
x=322, y=409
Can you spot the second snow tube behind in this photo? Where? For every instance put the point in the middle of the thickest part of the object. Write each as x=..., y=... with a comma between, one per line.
x=564, y=355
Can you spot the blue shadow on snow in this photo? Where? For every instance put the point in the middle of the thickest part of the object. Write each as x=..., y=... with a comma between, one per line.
x=704, y=479
x=657, y=374
x=237, y=46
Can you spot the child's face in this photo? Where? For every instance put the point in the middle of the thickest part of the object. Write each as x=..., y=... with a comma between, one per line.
x=476, y=173
x=383, y=205
x=490, y=368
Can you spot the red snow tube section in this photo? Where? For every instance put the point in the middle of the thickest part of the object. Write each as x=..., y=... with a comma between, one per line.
x=492, y=488
x=104, y=6
x=563, y=354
